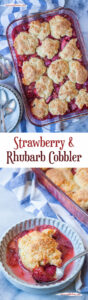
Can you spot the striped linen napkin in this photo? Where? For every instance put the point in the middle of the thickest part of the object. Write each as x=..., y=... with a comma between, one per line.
x=39, y=202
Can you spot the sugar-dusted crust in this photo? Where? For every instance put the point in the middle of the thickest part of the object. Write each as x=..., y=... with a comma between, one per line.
x=77, y=72
x=39, y=108
x=68, y=91
x=44, y=86
x=48, y=48
x=25, y=43
x=60, y=26
x=32, y=70
x=41, y=30
x=69, y=186
x=59, y=176
x=75, y=186
x=82, y=98
x=58, y=70
x=71, y=51
x=81, y=197
x=58, y=107
x=81, y=177
x=39, y=248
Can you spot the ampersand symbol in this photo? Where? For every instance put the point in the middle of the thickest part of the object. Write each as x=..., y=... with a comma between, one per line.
x=70, y=142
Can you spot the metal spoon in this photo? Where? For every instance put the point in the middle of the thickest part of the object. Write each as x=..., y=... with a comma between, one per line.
x=3, y=101
x=9, y=107
x=5, y=67
x=60, y=271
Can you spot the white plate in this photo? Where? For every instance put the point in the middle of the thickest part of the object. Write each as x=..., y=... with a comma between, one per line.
x=11, y=120
x=38, y=288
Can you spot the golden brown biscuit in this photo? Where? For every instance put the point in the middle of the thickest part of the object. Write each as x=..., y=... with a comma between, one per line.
x=56, y=176
x=82, y=98
x=41, y=30
x=71, y=51
x=69, y=186
x=60, y=26
x=78, y=73
x=44, y=87
x=67, y=173
x=39, y=108
x=39, y=248
x=75, y=186
x=58, y=70
x=59, y=176
x=81, y=197
x=32, y=70
x=25, y=43
x=81, y=177
x=68, y=91
x=58, y=107
x=48, y=48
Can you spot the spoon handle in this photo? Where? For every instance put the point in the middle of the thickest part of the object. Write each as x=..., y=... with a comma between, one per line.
x=74, y=258
x=3, y=121
x=0, y=121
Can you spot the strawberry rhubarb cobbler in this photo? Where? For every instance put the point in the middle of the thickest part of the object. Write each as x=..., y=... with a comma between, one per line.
x=51, y=68
x=33, y=255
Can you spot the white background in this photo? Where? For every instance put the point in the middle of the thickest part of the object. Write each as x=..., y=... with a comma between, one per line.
x=80, y=147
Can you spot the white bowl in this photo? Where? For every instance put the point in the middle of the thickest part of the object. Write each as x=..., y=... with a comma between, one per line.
x=38, y=288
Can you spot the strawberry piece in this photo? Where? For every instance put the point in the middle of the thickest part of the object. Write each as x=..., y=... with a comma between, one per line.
x=78, y=86
x=64, y=42
x=44, y=274
x=55, y=57
x=47, y=62
x=25, y=26
x=40, y=275
x=74, y=171
x=50, y=270
x=72, y=105
x=49, y=99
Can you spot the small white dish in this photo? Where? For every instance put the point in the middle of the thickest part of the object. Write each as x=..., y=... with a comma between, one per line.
x=38, y=288
x=11, y=120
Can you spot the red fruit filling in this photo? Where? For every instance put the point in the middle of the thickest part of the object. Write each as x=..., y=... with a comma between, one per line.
x=44, y=274
x=64, y=42
x=12, y=257
x=74, y=171
x=72, y=105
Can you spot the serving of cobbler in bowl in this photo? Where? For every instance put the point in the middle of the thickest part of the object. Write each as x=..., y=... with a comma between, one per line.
x=31, y=251
x=49, y=58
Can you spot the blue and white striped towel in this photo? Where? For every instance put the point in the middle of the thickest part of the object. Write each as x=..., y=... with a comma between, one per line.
x=36, y=200
x=7, y=15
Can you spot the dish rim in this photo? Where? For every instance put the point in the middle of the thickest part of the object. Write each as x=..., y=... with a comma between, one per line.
x=20, y=103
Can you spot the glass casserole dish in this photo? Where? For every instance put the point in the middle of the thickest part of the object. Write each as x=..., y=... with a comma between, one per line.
x=29, y=91
x=62, y=197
